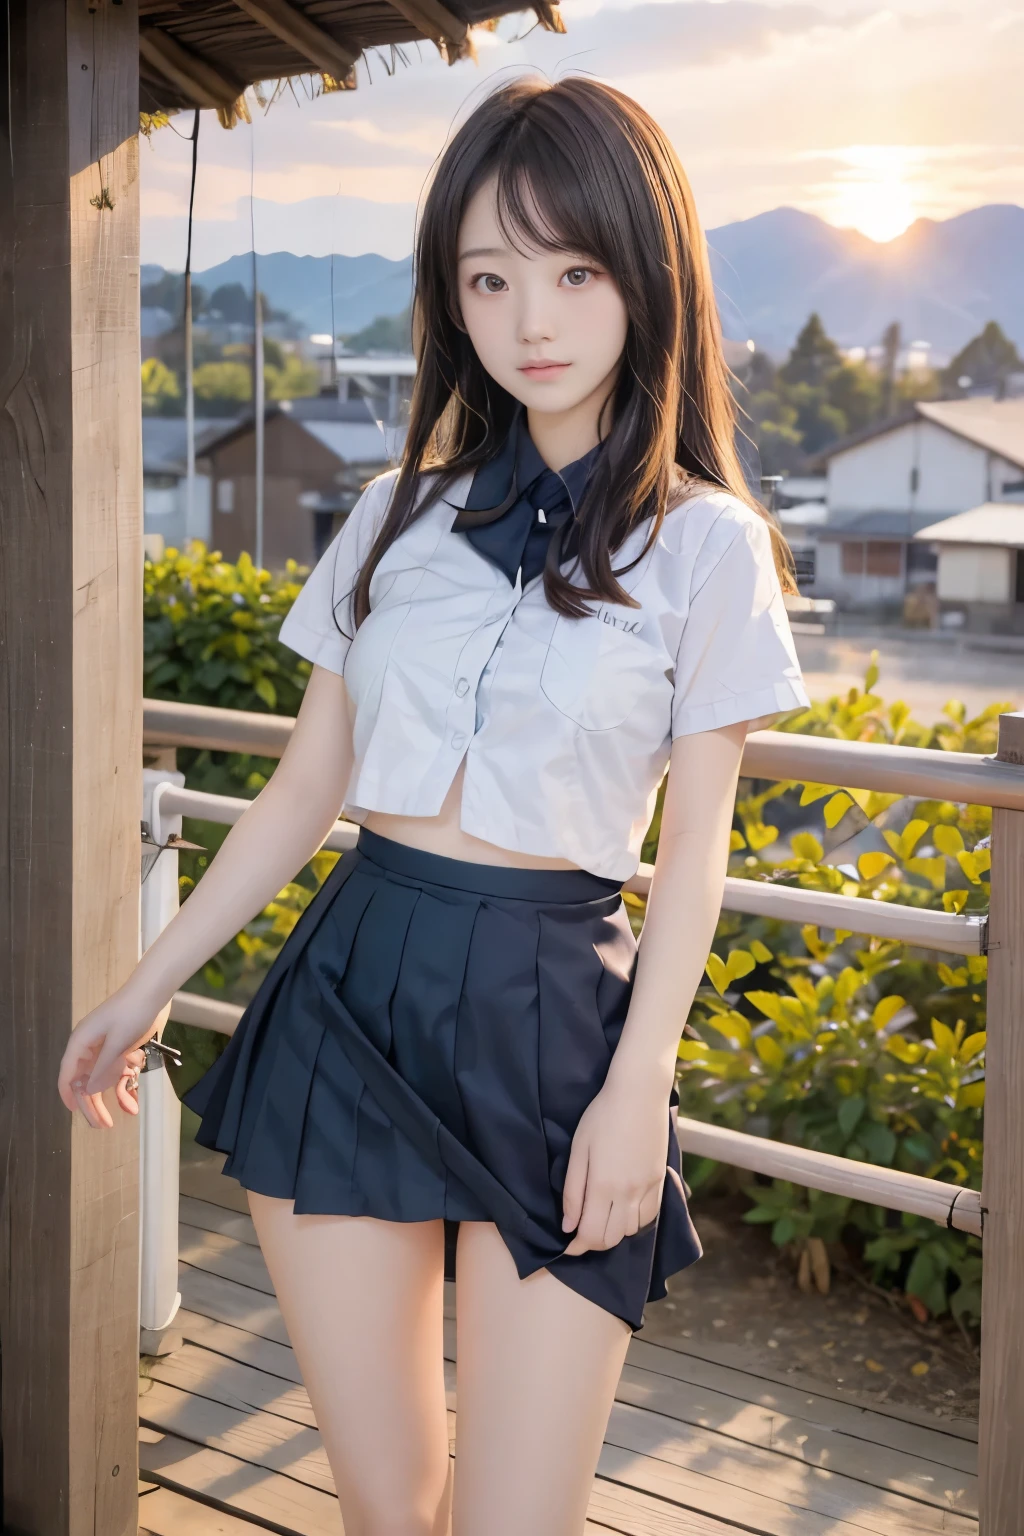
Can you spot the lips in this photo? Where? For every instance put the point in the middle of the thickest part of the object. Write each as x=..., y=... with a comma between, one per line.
x=543, y=369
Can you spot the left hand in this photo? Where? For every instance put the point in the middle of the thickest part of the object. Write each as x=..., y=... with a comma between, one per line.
x=617, y=1165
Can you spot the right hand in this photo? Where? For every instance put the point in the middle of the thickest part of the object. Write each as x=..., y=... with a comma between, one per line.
x=103, y=1051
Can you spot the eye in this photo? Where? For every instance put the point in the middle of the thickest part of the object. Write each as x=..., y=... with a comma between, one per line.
x=488, y=282
x=577, y=277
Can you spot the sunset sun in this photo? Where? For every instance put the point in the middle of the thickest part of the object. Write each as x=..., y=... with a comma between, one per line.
x=873, y=191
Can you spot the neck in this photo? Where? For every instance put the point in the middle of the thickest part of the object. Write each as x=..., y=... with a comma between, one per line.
x=562, y=437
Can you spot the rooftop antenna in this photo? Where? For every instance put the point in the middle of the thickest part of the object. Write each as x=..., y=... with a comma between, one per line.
x=190, y=399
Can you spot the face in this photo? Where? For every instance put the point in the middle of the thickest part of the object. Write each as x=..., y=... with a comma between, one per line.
x=548, y=326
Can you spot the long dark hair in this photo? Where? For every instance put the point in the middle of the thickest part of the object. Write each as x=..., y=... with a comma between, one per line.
x=579, y=167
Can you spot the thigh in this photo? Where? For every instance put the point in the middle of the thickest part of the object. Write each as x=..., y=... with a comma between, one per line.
x=536, y=1375
x=363, y=1301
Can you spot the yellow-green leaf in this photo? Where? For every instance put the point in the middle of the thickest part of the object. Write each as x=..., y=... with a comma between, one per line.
x=768, y=1003
x=971, y=1096
x=871, y=864
x=812, y=792
x=692, y=1050
x=974, y=864
x=718, y=974
x=736, y=841
x=907, y=1051
x=910, y=837
x=951, y=978
x=871, y=675
x=886, y=1010
x=948, y=840
x=770, y=1051
x=761, y=953
x=760, y=834
x=836, y=808
x=972, y=1046
x=740, y=963
x=734, y=1027
x=944, y=1038
x=933, y=870
x=954, y=901
x=806, y=846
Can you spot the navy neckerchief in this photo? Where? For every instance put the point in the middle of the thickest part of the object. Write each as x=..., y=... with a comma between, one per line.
x=526, y=502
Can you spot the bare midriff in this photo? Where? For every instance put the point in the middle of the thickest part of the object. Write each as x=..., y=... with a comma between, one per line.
x=442, y=834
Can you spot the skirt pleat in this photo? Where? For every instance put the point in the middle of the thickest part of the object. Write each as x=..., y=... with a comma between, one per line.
x=423, y=1047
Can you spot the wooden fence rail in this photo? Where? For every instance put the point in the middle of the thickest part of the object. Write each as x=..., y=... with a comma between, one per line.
x=998, y=1212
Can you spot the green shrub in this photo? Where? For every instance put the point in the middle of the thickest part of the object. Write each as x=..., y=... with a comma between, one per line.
x=859, y=1047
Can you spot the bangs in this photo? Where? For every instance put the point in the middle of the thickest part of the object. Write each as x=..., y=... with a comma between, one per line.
x=542, y=202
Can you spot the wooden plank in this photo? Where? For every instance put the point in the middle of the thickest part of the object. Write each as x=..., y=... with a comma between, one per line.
x=70, y=771
x=230, y=1382
x=742, y=1483
x=224, y=1256
x=1002, y=1331
x=237, y=1344
x=820, y=1409
x=300, y=32
x=614, y=1507
x=227, y=1302
x=262, y=1439
x=204, y=1216
x=800, y=1440
x=199, y=1175
x=234, y=1484
x=167, y=1513
x=735, y=1357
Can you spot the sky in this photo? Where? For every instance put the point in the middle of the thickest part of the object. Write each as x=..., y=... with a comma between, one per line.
x=868, y=115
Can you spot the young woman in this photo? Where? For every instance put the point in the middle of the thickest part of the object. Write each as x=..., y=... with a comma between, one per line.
x=565, y=588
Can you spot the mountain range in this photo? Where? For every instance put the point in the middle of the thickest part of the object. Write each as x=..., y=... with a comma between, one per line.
x=941, y=279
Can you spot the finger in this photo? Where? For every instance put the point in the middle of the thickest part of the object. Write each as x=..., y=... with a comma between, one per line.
x=76, y=1063
x=106, y=1070
x=618, y=1226
x=86, y=1102
x=125, y=1093
x=650, y=1206
x=575, y=1186
x=593, y=1221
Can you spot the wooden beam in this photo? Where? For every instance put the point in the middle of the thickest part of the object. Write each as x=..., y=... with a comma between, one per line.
x=1001, y=1465
x=70, y=773
x=296, y=29
x=437, y=22
x=202, y=83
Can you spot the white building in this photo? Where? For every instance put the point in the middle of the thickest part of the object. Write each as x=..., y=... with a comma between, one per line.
x=980, y=582
x=888, y=483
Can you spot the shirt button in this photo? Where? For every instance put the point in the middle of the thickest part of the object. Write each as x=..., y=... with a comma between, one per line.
x=462, y=686
x=458, y=740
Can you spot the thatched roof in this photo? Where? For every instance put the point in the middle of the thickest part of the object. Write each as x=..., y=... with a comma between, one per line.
x=203, y=53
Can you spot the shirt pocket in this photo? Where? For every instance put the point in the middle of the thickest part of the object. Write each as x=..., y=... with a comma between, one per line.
x=596, y=673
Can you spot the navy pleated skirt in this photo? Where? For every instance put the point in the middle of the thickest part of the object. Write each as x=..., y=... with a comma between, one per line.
x=423, y=1047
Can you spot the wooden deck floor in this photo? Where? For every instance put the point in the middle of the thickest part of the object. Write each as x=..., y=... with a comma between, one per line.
x=228, y=1443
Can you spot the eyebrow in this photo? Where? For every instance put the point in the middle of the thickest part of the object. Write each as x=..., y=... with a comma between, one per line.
x=483, y=250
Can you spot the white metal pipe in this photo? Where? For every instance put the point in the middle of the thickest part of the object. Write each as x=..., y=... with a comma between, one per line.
x=159, y=1107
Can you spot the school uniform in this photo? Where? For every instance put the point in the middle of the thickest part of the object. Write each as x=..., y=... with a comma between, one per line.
x=430, y=1033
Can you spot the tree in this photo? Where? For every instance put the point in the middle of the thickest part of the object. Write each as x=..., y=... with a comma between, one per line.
x=160, y=392
x=229, y=383
x=891, y=338
x=814, y=356
x=388, y=333
x=291, y=379
x=984, y=362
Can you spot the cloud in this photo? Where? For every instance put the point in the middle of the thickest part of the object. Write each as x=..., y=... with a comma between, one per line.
x=760, y=99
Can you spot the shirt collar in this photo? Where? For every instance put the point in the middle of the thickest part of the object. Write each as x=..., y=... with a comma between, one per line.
x=506, y=477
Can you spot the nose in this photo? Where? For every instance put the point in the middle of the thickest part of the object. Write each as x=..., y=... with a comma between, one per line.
x=536, y=318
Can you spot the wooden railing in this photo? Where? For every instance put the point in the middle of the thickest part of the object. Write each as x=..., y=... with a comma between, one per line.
x=997, y=1212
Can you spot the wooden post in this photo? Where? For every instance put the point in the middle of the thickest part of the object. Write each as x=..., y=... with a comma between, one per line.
x=71, y=766
x=1001, y=1464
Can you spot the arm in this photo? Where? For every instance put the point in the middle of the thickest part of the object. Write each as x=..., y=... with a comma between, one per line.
x=613, y=1184
x=282, y=829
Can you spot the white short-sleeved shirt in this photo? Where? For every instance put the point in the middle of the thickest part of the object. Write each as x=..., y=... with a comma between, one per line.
x=565, y=724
